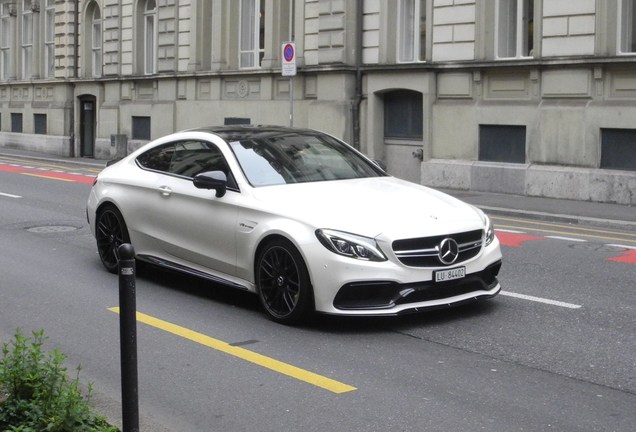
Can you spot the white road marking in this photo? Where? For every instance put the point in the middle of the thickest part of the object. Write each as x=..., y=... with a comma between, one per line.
x=9, y=195
x=622, y=246
x=510, y=231
x=566, y=239
x=541, y=300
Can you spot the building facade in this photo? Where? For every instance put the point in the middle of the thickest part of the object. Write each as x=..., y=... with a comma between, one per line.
x=534, y=97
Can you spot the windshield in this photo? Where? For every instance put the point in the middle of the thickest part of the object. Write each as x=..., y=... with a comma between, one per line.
x=296, y=158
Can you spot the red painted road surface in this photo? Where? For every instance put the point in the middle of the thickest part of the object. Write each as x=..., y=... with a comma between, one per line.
x=55, y=175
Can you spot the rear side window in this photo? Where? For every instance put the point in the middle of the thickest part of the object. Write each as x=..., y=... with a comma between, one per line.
x=157, y=159
x=185, y=159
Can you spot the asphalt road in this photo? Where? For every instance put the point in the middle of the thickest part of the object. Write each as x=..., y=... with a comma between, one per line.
x=556, y=351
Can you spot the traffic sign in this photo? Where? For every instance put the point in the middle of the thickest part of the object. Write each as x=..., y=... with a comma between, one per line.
x=288, y=59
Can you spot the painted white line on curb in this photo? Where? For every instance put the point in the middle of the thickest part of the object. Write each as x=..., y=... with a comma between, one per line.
x=541, y=300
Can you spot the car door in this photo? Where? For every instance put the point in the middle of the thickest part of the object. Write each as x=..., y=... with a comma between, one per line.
x=192, y=226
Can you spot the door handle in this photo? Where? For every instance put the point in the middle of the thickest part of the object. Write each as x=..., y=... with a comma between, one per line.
x=165, y=191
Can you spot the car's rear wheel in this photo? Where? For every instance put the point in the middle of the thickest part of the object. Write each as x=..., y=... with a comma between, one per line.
x=283, y=283
x=110, y=232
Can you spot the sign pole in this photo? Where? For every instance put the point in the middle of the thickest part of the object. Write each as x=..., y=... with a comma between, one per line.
x=288, y=68
x=291, y=101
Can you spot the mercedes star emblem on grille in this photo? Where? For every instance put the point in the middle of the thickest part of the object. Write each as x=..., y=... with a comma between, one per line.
x=448, y=251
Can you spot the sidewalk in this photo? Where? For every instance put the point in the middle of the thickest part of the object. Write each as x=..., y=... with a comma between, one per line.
x=566, y=211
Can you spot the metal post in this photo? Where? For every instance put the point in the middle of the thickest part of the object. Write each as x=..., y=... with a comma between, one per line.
x=291, y=78
x=128, y=339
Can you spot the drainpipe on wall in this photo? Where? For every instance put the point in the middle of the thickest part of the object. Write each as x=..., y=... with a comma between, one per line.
x=75, y=74
x=358, y=87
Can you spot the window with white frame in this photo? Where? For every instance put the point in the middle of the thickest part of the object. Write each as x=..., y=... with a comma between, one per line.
x=49, y=39
x=412, y=31
x=627, y=27
x=252, y=33
x=96, y=41
x=27, y=38
x=515, y=28
x=150, y=37
x=5, y=41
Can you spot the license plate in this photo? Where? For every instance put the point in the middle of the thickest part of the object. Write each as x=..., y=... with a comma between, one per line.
x=450, y=274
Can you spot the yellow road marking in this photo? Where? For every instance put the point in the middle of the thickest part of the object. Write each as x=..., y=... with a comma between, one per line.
x=247, y=355
x=46, y=177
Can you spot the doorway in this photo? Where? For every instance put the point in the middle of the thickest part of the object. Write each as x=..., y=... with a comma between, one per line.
x=87, y=126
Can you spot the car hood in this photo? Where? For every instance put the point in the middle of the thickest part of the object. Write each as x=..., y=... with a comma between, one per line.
x=373, y=207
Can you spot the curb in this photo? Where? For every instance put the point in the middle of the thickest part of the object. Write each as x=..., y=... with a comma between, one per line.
x=555, y=217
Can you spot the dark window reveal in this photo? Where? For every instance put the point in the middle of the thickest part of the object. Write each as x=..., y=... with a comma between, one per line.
x=618, y=149
x=39, y=123
x=141, y=128
x=403, y=115
x=501, y=143
x=16, y=122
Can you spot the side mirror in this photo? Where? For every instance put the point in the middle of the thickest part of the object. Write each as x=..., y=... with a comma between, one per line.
x=216, y=180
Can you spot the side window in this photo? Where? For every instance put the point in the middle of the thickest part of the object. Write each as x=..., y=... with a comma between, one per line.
x=157, y=159
x=194, y=157
x=186, y=159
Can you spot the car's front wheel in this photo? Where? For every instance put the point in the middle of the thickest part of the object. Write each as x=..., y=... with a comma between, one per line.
x=283, y=283
x=110, y=232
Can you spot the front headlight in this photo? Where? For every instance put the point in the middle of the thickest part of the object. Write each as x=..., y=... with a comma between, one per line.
x=490, y=231
x=350, y=245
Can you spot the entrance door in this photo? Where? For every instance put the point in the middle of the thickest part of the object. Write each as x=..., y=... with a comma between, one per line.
x=87, y=126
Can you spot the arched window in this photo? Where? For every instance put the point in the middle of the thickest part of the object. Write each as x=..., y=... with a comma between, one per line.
x=515, y=28
x=150, y=38
x=49, y=39
x=626, y=27
x=92, y=51
x=412, y=31
x=252, y=33
x=27, y=39
x=96, y=41
x=6, y=39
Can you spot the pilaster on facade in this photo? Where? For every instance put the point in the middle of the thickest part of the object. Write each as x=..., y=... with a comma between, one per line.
x=112, y=35
x=65, y=39
x=568, y=28
x=454, y=30
x=371, y=32
x=127, y=37
x=167, y=22
x=184, y=36
x=335, y=19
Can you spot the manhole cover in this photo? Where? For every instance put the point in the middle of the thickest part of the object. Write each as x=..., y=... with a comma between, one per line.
x=51, y=229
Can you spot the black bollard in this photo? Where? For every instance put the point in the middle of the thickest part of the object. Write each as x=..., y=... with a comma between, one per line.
x=128, y=338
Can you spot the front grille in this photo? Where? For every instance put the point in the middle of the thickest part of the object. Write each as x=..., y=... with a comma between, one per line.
x=424, y=251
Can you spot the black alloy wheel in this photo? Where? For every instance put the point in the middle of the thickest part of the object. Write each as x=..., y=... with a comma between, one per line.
x=110, y=232
x=283, y=283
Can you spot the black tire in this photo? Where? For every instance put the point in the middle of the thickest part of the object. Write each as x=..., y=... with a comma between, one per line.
x=110, y=232
x=283, y=284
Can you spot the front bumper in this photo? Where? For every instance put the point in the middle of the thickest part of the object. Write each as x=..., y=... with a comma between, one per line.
x=374, y=295
x=345, y=286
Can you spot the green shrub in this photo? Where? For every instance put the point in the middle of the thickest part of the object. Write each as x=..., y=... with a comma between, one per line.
x=36, y=394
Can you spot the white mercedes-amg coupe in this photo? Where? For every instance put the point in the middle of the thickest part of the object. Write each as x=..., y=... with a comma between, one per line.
x=296, y=216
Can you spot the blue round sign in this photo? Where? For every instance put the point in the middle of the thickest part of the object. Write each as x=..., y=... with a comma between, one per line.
x=288, y=52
